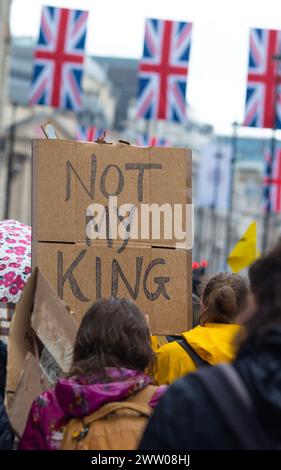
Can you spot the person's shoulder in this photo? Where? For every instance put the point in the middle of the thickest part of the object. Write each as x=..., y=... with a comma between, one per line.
x=43, y=407
x=170, y=350
x=168, y=347
x=171, y=363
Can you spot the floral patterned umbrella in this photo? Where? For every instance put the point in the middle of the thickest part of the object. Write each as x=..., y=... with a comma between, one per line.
x=15, y=259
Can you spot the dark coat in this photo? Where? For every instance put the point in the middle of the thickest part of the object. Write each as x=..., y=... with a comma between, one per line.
x=186, y=418
x=6, y=434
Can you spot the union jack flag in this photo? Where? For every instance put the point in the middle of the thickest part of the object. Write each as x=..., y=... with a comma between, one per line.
x=89, y=134
x=146, y=141
x=58, y=59
x=163, y=70
x=272, y=183
x=263, y=97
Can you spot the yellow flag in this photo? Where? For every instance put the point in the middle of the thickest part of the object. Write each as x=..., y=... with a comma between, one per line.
x=245, y=251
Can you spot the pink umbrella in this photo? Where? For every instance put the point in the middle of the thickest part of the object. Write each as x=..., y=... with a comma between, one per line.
x=15, y=267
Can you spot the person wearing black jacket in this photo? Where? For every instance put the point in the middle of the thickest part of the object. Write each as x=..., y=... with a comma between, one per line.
x=6, y=434
x=190, y=417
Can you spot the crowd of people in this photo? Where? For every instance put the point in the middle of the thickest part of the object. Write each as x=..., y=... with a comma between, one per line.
x=217, y=386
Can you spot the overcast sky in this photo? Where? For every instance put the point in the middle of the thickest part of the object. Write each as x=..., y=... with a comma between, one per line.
x=219, y=53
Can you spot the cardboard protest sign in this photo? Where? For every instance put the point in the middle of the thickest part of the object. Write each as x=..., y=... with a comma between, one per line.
x=137, y=259
x=41, y=321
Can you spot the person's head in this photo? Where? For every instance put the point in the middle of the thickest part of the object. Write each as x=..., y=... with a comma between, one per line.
x=265, y=285
x=113, y=333
x=224, y=298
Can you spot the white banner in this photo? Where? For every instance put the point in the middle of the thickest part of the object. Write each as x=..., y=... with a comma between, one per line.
x=214, y=176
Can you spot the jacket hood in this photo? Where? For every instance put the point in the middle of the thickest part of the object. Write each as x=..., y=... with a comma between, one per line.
x=260, y=367
x=214, y=341
x=81, y=396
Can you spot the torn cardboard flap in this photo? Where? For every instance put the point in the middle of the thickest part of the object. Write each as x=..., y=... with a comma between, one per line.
x=41, y=320
x=32, y=382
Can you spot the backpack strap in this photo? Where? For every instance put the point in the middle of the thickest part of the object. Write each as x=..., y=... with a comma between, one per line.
x=231, y=398
x=198, y=361
x=110, y=408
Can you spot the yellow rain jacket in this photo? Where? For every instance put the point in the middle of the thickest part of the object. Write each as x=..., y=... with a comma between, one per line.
x=212, y=342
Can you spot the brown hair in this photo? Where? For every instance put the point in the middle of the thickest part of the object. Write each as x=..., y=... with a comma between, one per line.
x=113, y=333
x=223, y=297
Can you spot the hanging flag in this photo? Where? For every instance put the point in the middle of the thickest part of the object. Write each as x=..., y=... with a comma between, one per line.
x=146, y=141
x=245, y=251
x=58, y=59
x=272, y=183
x=214, y=177
x=89, y=134
x=163, y=70
x=263, y=97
